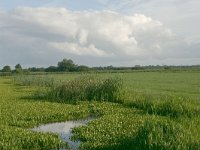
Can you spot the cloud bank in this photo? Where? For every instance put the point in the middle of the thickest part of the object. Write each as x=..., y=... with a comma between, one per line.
x=42, y=36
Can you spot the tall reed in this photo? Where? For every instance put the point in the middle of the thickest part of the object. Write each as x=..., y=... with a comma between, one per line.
x=89, y=88
x=35, y=80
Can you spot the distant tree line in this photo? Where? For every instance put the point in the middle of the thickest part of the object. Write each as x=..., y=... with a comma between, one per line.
x=7, y=68
x=67, y=65
x=149, y=67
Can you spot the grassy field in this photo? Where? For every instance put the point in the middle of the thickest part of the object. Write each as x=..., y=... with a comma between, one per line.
x=155, y=110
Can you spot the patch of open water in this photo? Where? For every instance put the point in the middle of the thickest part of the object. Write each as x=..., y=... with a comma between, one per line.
x=64, y=129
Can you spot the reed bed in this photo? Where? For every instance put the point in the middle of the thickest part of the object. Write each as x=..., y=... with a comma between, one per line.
x=34, y=80
x=89, y=88
x=171, y=106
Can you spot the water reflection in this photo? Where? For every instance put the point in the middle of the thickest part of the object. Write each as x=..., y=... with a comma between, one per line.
x=64, y=129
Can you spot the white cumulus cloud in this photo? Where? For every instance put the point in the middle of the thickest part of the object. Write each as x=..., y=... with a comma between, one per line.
x=43, y=35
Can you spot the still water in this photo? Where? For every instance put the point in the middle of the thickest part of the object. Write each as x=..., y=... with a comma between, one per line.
x=64, y=129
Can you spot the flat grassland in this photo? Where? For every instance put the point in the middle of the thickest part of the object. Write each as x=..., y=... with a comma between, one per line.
x=157, y=110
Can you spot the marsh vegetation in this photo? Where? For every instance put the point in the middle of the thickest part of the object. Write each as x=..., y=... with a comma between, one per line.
x=138, y=110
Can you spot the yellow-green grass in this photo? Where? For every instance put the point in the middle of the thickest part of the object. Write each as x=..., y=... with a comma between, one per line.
x=19, y=115
x=145, y=120
x=183, y=83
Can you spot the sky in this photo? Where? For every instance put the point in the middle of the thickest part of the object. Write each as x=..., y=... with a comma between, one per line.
x=99, y=32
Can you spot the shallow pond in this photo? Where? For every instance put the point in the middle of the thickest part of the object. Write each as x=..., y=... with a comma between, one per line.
x=64, y=129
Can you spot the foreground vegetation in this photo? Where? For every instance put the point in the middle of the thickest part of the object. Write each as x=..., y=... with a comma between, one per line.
x=151, y=110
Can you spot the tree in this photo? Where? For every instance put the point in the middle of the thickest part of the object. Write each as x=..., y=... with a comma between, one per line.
x=66, y=65
x=34, y=69
x=51, y=69
x=83, y=68
x=18, y=68
x=6, y=69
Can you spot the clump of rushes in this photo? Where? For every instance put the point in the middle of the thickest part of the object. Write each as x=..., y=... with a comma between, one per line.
x=89, y=88
x=164, y=134
x=171, y=106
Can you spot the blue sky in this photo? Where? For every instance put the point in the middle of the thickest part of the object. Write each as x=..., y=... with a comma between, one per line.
x=70, y=4
x=100, y=32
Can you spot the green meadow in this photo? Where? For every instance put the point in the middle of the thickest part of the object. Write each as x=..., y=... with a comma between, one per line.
x=133, y=110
